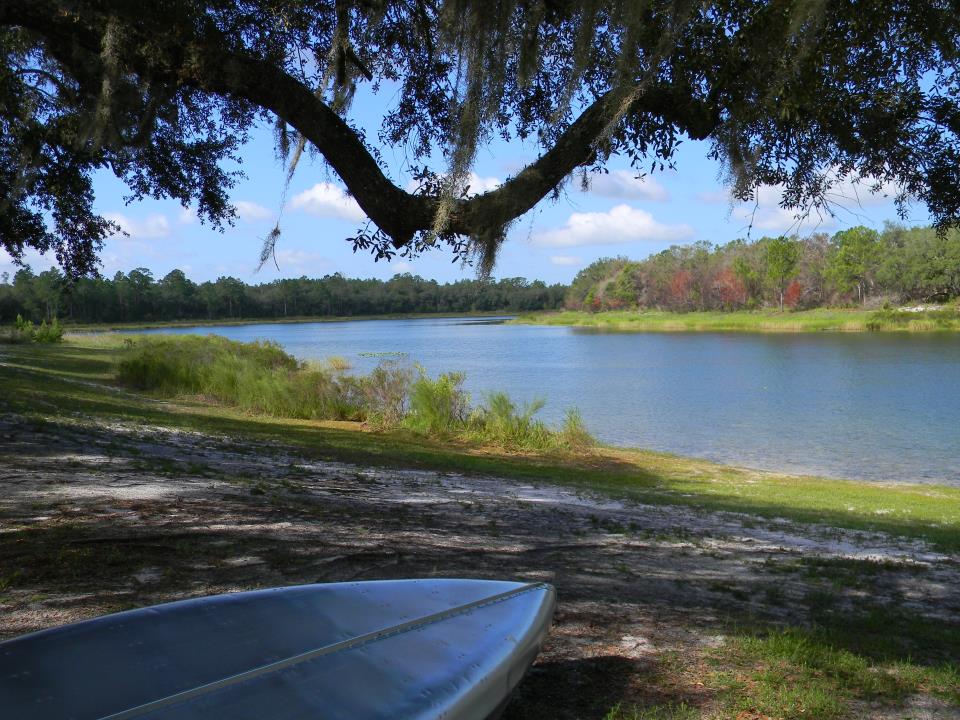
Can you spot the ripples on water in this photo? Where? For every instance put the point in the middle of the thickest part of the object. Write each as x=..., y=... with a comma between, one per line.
x=870, y=406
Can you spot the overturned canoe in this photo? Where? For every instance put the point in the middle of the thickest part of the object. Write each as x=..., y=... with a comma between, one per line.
x=450, y=649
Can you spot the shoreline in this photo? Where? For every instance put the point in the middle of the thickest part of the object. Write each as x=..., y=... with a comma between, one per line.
x=60, y=382
x=820, y=320
x=704, y=594
x=160, y=324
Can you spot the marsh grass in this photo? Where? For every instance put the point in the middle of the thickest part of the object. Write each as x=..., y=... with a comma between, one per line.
x=24, y=331
x=441, y=408
x=438, y=407
x=819, y=320
x=933, y=320
x=500, y=421
x=255, y=377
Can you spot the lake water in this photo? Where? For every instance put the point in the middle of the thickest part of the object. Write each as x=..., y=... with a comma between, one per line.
x=870, y=406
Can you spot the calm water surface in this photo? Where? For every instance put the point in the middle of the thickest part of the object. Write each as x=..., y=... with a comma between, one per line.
x=871, y=406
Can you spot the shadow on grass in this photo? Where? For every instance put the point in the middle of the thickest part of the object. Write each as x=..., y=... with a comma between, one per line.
x=592, y=687
x=879, y=656
x=89, y=362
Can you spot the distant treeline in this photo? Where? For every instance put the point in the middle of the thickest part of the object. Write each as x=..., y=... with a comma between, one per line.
x=137, y=297
x=855, y=266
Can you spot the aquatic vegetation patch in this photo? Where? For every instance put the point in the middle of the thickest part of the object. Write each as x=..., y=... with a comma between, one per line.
x=260, y=377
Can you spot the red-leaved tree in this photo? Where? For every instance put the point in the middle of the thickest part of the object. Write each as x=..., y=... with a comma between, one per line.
x=793, y=293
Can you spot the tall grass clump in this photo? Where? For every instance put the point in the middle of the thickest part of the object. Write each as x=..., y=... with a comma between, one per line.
x=441, y=408
x=499, y=421
x=385, y=393
x=256, y=377
x=438, y=407
x=573, y=433
x=926, y=319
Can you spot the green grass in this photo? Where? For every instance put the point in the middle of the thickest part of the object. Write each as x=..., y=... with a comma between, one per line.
x=819, y=320
x=57, y=383
x=257, y=377
x=820, y=672
x=680, y=711
x=829, y=670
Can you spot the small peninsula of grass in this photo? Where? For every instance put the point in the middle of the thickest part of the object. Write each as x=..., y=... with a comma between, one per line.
x=818, y=320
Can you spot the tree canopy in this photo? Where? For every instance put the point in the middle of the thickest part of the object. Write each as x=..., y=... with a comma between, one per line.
x=853, y=266
x=138, y=297
x=796, y=93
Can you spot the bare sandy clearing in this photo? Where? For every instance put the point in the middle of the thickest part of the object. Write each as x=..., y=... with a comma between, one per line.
x=96, y=518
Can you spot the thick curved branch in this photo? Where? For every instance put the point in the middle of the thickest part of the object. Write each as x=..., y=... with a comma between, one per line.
x=206, y=62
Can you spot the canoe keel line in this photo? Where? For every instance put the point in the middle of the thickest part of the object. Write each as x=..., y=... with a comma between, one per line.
x=507, y=629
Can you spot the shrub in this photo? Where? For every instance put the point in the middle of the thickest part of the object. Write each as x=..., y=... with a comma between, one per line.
x=337, y=364
x=52, y=333
x=385, y=392
x=438, y=406
x=26, y=331
x=574, y=434
x=257, y=377
x=501, y=423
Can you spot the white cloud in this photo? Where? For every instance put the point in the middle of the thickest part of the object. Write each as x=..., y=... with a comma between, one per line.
x=624, y=184
x=622, y=224
x=327, y=200
x=477, y=184
x=765, y=212
x=401, y=267
x=300, y=262
x=854, y=192
x=251, y=211
x=781, y=220
x=186, y=216
x=149, y=228
x=565, y=260
x=37, y=262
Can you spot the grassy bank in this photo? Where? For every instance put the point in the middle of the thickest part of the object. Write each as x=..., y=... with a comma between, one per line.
x=55, y=382
x=819, y=320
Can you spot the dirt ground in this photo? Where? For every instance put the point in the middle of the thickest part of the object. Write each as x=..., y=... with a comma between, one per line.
x=99, y=518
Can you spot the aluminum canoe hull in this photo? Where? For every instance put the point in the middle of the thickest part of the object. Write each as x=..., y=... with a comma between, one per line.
x=418, y=649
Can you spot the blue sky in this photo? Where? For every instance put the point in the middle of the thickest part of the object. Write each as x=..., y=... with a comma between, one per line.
x=620, y=215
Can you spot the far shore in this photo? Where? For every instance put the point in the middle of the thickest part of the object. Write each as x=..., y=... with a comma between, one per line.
x=946, y=318
x=292, y=320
